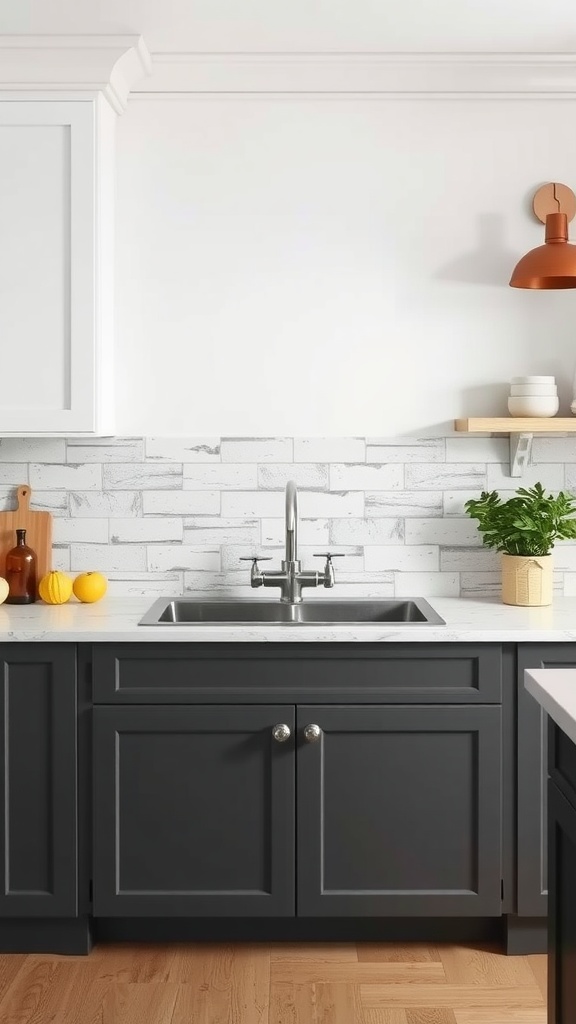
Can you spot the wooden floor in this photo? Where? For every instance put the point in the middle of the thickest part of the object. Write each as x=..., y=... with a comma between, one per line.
x=274, y=984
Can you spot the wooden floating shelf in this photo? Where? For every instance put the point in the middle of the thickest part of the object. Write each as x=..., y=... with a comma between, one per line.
x=517, y=425
x=521, y=430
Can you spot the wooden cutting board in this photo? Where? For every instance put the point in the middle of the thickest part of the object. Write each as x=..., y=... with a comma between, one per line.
x=38, y=526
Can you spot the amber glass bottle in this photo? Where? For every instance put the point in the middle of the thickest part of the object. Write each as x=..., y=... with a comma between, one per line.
x=21, y=572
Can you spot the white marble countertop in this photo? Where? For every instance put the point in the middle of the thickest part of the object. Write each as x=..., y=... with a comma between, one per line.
x=555, y=690
x=116, y=619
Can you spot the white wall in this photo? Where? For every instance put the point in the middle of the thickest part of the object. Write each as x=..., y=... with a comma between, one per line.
x=284, y=25
x=332, y=266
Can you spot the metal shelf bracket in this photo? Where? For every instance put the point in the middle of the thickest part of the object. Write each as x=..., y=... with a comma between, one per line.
x=520, y=450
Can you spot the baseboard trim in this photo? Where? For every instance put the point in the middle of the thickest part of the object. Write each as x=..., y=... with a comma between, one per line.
x=70, y=937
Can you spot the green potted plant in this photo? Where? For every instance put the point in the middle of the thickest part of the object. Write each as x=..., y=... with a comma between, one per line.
x=525, y=528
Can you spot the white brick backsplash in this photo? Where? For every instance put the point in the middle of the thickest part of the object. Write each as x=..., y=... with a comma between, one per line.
x=221, y=585
x=183, y=449
x=310, y=531
x=142, y=476
x=367, y=531
x=61, y=557
x=231, y=477
x=550, y=475
x=311, y=504
x=136, y=584
x=56, y=502
x=262, y=449
x=427, y=584
x=481, y=584
x=403, y=503
x=413, y=450
x=413, y=558
x=421, y=476
x=381, y=477
x=33, y=449
x=329, y=449
x=160, y=515
x=232, y=555
x=144, y=530
x=311, y=476
x=477, y=449
x=469, y=559
x=165, y=557
x=66, y=477
x=103, y=557
x=553, y=449
x=570, y=484
x=211, y=530
x=337, y=505
x=448, y=532
x=98, y=449
x=12, y=474
x=454, y=502
x=181, y=503
x=105, y=503
x=564, y=556
x=81, y=531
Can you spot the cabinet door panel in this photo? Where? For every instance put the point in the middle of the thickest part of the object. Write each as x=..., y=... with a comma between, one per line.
x=562, y=929
x=532, y=886
x=399, y=811
x=48, y=267
x=194, y=812
x=38, y=840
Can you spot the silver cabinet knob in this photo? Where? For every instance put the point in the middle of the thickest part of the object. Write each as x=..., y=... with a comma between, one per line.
x=312, y=733
x=281, y=733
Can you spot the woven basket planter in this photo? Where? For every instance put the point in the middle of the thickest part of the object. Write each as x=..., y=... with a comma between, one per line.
x=527, y=580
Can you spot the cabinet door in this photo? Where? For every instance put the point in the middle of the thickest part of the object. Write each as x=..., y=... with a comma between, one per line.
x=38, y=833
x=52, y=321
x=532, y=842
x=562, y=930
x=194, y=811
x=399, y=811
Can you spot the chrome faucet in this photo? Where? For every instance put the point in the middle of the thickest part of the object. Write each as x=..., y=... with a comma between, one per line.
x=291, y=578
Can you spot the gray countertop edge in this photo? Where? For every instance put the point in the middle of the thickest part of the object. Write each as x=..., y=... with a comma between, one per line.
x=555, y=691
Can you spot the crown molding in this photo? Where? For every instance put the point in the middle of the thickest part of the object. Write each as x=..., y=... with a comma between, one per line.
x=76, y=64
x=363, y=74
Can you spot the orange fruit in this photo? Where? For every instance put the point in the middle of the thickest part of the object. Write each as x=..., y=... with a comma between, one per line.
x=89, y=587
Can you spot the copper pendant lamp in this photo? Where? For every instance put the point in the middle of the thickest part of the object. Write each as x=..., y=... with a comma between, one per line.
x=552, y=265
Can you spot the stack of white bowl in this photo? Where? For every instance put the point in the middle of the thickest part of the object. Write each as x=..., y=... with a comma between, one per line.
x=533, y=396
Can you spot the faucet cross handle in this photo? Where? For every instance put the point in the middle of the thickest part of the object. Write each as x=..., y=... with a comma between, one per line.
x=329, y=579
x=256, y=577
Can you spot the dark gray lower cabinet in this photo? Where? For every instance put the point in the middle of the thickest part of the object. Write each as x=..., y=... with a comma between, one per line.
x=562, y=928
x=399, y=811
x=38, y=819
x=532, y=765
x=193, y=811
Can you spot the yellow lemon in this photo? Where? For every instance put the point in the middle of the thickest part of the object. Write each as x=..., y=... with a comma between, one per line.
x=55, y=588
x=4, y=590
x=90, y=586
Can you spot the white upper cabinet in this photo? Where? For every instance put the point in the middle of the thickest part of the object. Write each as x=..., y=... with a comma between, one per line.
x=57, y=235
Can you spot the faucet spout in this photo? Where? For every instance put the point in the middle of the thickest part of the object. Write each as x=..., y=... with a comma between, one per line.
x=291, y=522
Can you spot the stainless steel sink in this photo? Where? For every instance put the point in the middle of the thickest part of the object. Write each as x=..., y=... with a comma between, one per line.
x=186, y=611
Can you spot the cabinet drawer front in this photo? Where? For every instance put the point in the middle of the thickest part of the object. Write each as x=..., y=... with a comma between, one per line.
x=399, y=811
x=193, y=812
x=174, y=673
x=562, y=761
